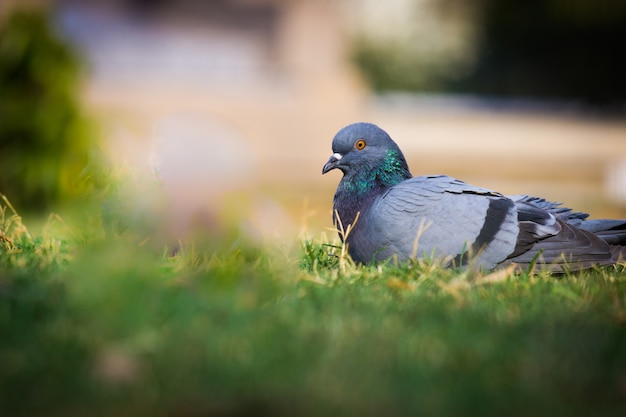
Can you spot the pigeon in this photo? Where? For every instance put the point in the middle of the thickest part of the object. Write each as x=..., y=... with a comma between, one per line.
x=382, y=213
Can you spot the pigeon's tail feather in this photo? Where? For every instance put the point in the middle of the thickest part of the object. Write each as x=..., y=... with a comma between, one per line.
x=612, y=232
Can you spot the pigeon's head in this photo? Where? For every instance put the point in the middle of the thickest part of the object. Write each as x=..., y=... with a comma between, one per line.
x=364, y=146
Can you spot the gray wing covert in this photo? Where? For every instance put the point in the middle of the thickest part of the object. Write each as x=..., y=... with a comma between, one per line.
x=440, y=216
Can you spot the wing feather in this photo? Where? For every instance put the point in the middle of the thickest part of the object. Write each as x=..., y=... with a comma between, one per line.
x=448, y=218
x=547, y=236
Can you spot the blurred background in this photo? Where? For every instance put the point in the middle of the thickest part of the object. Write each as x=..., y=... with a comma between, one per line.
x=228, y=107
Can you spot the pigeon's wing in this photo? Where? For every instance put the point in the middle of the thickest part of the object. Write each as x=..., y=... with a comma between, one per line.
x=549, y=240
x=439, y=216
x=611, y=231
x=565, y=214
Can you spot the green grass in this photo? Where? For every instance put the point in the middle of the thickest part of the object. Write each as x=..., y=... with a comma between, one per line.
x=95, y=322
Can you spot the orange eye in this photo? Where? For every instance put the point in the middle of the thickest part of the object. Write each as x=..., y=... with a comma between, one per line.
x=360, y=144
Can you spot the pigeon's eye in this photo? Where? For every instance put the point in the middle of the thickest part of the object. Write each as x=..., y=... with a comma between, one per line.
x=360, y=144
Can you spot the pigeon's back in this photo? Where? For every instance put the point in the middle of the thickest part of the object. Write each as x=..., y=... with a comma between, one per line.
x=437, y=217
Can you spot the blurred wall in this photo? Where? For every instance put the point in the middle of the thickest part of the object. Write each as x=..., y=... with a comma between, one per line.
x=238, y=101
x=222, y=97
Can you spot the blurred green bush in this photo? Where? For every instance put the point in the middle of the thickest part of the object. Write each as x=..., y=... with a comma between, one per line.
x=45, y=139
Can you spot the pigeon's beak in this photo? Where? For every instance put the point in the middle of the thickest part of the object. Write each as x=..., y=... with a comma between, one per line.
x=332, y=163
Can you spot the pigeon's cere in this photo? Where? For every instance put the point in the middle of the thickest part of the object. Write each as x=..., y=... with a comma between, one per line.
x=382, y=212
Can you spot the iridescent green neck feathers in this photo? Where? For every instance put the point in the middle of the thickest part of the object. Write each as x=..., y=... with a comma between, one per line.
x=388, y=172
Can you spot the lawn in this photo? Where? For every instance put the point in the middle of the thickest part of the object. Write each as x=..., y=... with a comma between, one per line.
x=94, y=321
